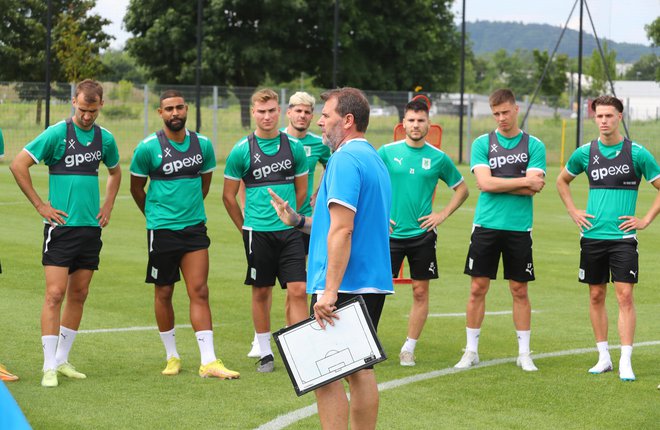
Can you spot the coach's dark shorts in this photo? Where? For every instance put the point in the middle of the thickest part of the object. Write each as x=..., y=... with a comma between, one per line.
x=487, y=244
x=374, y=303
x=599, y=258
x=274, y=255
x=72, y=247
x=167, y=247
x=420, y=251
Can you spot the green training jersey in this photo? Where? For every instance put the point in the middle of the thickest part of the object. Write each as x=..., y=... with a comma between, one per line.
x=608, y=204
x=77, y=195
x=505, y=211
x=414, y=173
x=259, y=214
x=316, y=152
x=176, y=203
x=2, y=145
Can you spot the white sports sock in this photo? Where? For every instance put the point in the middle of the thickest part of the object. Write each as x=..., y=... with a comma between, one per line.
x=67, y=336
x=264, y=344
x=206, y=349
x=472, y=335
x=255, y=341
x=603, y=351
x=409, y=345
x=169, y=341
x=49, y=344
x=626, y=353
x=523, y=341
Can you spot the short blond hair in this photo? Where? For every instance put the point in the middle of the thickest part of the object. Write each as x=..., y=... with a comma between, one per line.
x=302, y=98
x=264, y=95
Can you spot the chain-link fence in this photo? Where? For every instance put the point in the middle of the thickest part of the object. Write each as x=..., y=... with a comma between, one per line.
x=130, y=113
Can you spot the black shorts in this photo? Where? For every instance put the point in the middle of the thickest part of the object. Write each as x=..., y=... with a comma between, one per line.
x=374, y=303
x=72, y=247
x=420, y=251
x=167, y=247
x=306, y=242
x=599, y=258
x=274, y=254
x=487, y=244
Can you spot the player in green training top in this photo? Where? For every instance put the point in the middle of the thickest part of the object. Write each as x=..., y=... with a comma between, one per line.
x=266, y=159
x=608, y=246
x=300, y=114
x=415, y=166
x=73, y=150
x=509, y=166
x=179, y=164
x=2, y=145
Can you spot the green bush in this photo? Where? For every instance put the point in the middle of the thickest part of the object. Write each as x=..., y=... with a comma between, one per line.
x=120, y=112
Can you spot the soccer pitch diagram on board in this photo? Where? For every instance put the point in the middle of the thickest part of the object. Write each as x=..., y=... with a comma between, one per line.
x=315, y=356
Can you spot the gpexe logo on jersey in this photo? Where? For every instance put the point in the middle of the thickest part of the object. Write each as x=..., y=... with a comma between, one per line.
x=263, y=172
x=502, y=160
x=603, y=172
x=176, y=165
x=75, y=160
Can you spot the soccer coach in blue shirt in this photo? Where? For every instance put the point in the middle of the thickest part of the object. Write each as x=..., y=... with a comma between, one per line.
x=349, y=251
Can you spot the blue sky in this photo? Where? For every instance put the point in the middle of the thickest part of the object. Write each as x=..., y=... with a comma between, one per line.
x=618, y=20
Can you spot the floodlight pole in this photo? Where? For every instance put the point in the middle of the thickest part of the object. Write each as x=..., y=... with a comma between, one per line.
x=579, y=81
x=198, y=72
x=49, y=25
x=460, y=122
x=335, y=46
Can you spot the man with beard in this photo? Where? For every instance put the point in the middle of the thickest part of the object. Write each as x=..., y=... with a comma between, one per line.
x=300, y=114
x=73, y=219
x=180, y=165
x=349, y=245
x=415, y=166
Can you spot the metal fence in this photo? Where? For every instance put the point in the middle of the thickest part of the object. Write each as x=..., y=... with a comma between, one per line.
x=130, y=113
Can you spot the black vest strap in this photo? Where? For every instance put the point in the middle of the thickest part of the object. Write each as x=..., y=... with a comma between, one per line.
x=267, y=170
x=508, y=163
x=79, y=159
x=177, y=164
x=616, y=173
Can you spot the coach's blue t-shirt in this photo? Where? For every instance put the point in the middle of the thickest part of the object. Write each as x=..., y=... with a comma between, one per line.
x=356, y=178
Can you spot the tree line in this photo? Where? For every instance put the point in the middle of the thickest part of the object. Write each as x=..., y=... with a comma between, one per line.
x=391, y=46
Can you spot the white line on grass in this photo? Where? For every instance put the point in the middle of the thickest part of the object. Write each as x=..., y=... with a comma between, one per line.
x=292, y=417
x=120, y=329
x=462, y=314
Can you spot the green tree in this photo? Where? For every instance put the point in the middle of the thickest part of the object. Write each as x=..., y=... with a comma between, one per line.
x=119, y=65
x=555, y=79
x=244, y=42
x=391, y=45
x=596, y=69
x=515, y=71
x=653, y=31
x=645, y=69
x=23, y=41
x=77, y=54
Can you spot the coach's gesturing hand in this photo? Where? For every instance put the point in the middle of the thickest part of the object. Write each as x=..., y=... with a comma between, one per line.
x=284, y=211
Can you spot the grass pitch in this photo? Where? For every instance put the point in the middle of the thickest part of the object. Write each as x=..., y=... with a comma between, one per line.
x=124, y=388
